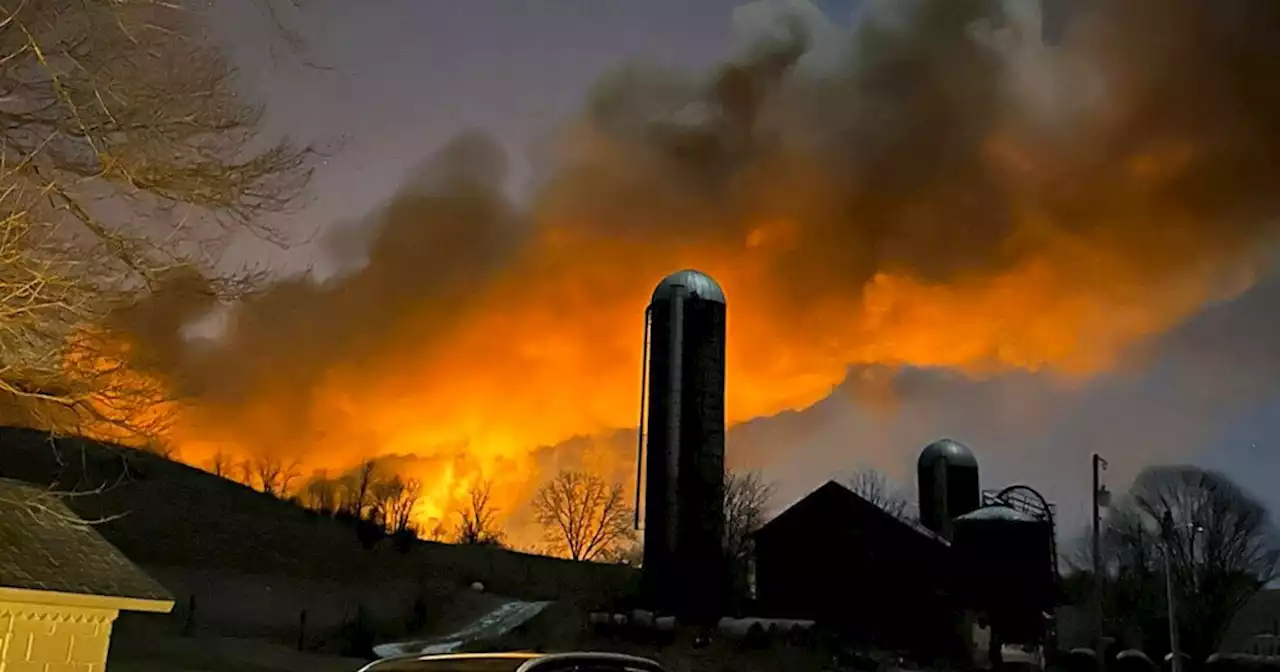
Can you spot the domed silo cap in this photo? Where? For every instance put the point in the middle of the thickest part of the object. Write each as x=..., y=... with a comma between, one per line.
x=997, y=512
x=954, y=452
x=690, y=283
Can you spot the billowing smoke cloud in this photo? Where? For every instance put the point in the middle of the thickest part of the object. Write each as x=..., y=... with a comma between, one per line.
x=1189, y=389
x=936, y=189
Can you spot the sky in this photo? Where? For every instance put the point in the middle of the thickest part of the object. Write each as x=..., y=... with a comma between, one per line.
x=394, y=80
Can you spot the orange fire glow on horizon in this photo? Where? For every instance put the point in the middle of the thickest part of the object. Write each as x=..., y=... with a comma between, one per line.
x=918, y=208
x=530, y=365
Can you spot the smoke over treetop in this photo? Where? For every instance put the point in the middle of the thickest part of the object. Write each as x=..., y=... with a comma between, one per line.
x=919, y=204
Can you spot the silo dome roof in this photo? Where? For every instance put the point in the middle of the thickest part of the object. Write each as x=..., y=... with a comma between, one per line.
x=953, y=451
x=998, y=512
x=695, y=283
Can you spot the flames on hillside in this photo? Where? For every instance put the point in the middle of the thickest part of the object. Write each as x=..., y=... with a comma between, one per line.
x=948, y=193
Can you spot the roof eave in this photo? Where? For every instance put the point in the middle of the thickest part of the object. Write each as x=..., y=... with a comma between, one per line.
x=60, y=599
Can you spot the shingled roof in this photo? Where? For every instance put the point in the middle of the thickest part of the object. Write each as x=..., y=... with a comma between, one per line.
x=48, y=548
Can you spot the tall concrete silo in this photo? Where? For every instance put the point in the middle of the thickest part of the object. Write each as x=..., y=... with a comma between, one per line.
x=682, y=447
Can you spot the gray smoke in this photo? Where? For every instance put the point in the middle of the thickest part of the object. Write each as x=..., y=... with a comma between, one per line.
x=1134, y=164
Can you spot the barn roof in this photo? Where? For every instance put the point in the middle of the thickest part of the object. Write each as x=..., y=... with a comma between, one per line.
x=44, y=546
x=834, y=500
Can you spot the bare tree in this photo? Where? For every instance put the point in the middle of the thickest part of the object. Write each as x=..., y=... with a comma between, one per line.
x=221, y=464
x=746, y=504
x=874, y=487
x=582, y=516
x=354, y=489
x=242, y=472
x=403, y=506
x=274, y=474
x=127, y=160
x=320, y=494
x=477, y=519
x=394, y=500
x=1221, y=550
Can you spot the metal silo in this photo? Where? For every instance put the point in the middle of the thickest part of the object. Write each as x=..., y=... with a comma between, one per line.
x=684, y=437
x=1004, y=560
x=947, y=475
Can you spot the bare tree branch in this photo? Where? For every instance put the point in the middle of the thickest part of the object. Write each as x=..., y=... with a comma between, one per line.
x=872, y=486
x=220, y=464
x=127, y=162
x=274, y=474
x=394, y=500
x=477, y=522
x=582, y=516
x=747, y=497
x=746, y=503
x=47, y=505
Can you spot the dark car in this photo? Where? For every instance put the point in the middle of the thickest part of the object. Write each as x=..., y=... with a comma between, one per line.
x=516, y=662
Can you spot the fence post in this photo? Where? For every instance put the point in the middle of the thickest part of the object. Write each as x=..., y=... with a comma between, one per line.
x=189, y=619
x=302, y=629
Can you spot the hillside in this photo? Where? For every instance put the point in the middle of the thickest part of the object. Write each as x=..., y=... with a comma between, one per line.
x=162, y=512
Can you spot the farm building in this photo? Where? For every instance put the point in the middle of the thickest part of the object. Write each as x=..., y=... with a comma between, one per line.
x=61, y=585
x=840, y=560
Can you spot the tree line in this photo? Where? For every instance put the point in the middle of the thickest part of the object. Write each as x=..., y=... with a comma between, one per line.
x=1180, y=535
x=581, y=515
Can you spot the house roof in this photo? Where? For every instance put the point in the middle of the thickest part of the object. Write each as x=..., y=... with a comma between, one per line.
x=46, y=547
x=836, y=497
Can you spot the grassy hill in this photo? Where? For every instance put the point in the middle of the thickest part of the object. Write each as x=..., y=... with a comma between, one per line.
x=163, y=513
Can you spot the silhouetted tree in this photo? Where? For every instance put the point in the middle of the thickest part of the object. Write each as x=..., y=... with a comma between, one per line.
x=1221, y=550
x=582, y=516
x=274, y=474
x=242, y=472
x=221, y=464
x=874, y=487
x=746, y=503
x=119, y=103
x=394, y=499
x=477, y=518
x=354, y=489
x=320, y=494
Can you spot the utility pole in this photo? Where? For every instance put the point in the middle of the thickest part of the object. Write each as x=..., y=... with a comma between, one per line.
x=1175, y=652
x=1100, y=500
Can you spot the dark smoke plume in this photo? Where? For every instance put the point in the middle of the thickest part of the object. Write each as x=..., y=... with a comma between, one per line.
x=866, y=203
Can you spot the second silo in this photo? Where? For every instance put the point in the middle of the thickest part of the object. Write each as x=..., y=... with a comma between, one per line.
x=947, y=476
x=683, y=440
x=1006, y=559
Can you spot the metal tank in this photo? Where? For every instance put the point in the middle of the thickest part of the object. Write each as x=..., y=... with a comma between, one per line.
x=947, y=479
x=681, y=447
x=1000, y=554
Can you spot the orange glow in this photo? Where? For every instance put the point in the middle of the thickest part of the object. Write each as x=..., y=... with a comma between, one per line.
x=545, y=352
x=535, y=363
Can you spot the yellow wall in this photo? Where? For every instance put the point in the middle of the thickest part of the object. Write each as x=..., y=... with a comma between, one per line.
x=42, y=638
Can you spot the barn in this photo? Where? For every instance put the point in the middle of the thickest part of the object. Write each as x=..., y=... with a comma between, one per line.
x=840, y=560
